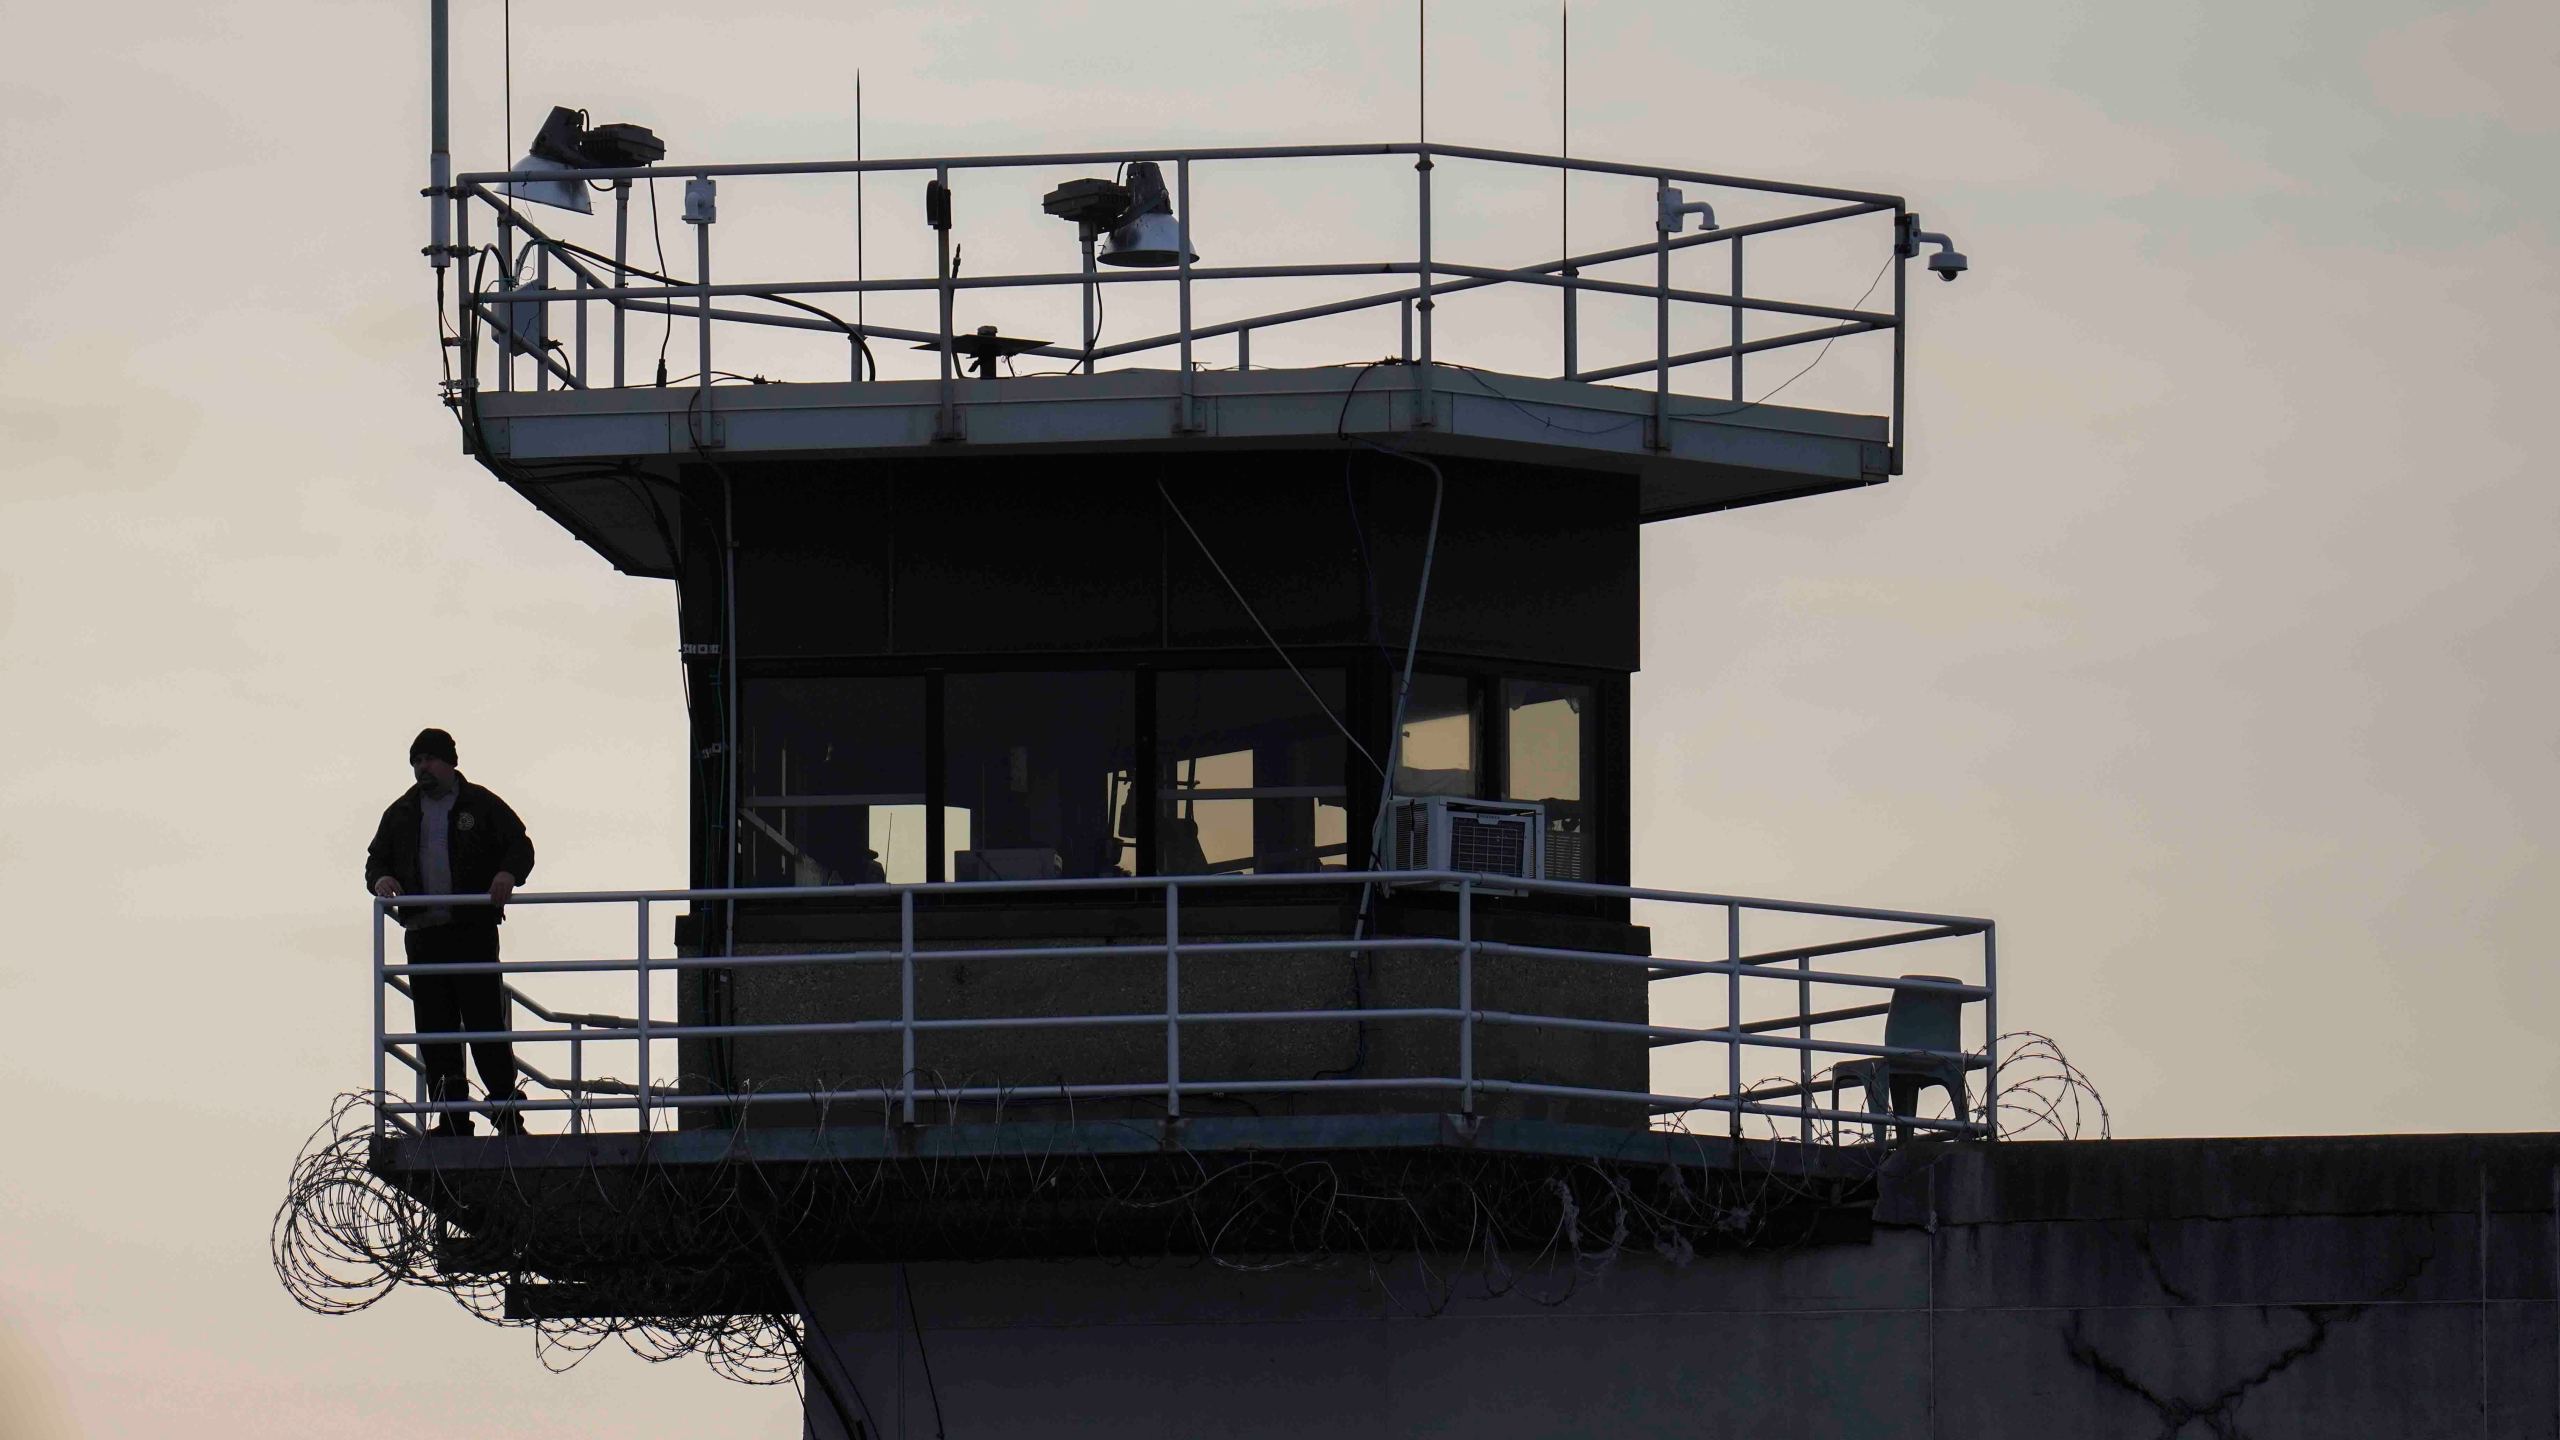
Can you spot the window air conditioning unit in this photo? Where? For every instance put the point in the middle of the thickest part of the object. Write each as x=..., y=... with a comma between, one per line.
x=1504, y=838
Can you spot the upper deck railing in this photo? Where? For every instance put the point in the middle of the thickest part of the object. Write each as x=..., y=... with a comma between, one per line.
x=532, y=308
x=1815, y=1002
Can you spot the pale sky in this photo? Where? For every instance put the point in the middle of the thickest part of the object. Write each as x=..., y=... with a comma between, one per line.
x=2207, y=644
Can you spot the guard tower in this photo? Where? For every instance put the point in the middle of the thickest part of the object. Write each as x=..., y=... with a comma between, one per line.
x=1163, y=790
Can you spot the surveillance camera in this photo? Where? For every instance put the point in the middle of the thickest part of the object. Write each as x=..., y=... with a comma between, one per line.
x=1947, y=264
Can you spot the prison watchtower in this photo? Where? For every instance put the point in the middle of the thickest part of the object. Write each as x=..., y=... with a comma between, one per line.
x=1157, y=628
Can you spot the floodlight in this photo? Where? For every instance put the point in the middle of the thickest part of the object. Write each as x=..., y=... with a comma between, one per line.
x=1094, y=206
x=566, y=145
x=548, y=182
x=1148, y=236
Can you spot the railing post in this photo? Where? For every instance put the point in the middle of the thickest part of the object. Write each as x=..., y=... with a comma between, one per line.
x=381, y=1059
x=1990, y=1033
x=1173, y=1000
x=907, y=1006
x=640, y=962
x=1404, y=341
x=1804, y=1057
x=541, y=320
x=1466, y=997
x=702, y=321
x=1902, y=223
x=1190, y=417
x=581, y=304
x=1422, y=407
x=506, y=277
x=621, y=274
x=1737, y=319
x=577, y=1079
x=1572, y=323
x=1733, y=1012
x=1662, y=337
x=1244, y=350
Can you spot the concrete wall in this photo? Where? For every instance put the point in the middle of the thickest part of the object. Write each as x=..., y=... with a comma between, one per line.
x=1027, y=1061
x=2262, y=1288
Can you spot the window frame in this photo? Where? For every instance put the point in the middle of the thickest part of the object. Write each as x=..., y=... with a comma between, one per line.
x=1370, y=676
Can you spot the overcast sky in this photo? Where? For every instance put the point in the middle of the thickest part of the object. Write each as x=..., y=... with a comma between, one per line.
x=2207, y=644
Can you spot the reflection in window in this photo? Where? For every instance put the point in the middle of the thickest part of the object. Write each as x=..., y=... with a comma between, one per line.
x=1037, y=770
x=832, y=782
x=1550, y=761
x=1250, y=773
x=1438, y=756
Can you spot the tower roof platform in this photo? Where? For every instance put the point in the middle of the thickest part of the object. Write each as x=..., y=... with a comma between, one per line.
x=549, y=336
x=1716, y=457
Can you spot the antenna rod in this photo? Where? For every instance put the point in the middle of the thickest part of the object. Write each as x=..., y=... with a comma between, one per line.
x=858, y=295
x=1422, y=71
x=439, y=138
x=1564, y=200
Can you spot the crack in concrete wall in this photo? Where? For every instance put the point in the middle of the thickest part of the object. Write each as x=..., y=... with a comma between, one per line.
x=2218, y=1413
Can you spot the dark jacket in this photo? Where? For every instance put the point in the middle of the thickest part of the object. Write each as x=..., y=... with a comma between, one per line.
x=483, y=837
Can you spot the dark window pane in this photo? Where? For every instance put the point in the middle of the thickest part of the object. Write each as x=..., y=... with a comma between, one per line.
x=1038, y=773
x=1552, y=730
x=831, y=782
x=1251, y=778
x=1438, y=756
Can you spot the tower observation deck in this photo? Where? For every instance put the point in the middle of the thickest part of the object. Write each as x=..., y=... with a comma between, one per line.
x=1138, y=771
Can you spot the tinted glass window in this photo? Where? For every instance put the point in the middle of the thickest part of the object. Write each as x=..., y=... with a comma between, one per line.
x=1439, y=756
x=1250, y=772
x=1037, y=774
x=831, y=782
x=1550, y=761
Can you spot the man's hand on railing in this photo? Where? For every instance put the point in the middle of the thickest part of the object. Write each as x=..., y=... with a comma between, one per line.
x=386, y=887
x=502, y=889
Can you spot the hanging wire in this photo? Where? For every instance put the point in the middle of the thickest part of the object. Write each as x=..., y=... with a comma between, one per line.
x=1268, y=638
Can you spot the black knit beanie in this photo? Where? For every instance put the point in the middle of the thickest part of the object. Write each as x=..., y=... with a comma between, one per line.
x=436, y=743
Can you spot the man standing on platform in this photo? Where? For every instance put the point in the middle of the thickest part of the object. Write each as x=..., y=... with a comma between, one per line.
x=447, y=836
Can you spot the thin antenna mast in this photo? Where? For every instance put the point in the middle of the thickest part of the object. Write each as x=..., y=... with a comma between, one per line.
x=1422, y=71
x=1572, y=297
x=439, y=133
x=858, y=276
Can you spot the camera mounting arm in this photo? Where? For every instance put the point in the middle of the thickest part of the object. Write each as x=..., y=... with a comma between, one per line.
x=1947, y=264
x=1671, y=207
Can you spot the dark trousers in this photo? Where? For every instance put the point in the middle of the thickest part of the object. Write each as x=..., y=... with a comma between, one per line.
x=449, y=1003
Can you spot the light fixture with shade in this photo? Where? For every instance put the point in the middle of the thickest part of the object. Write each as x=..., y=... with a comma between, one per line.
x=565, y=146
x=548, y=182
x=1148, y=236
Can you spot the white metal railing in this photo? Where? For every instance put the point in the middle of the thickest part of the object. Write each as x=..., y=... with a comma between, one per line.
x=1772, y=1002
x=504, y=292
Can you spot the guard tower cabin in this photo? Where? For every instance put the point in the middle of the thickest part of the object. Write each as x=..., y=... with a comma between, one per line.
x=1136, y=616
x=1208, y=733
